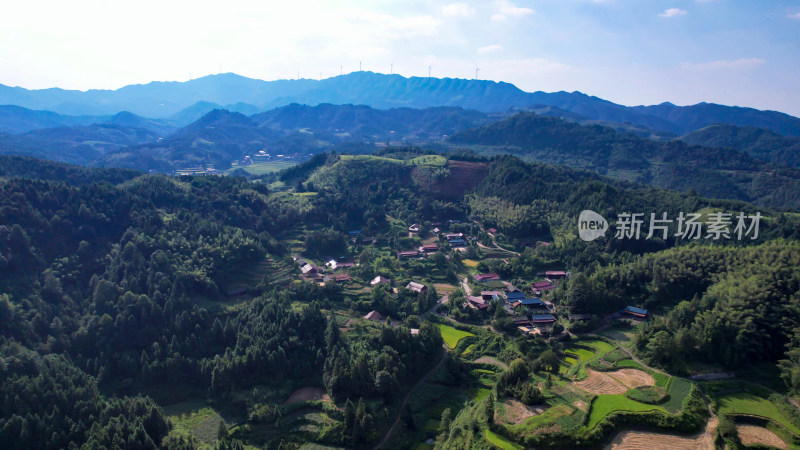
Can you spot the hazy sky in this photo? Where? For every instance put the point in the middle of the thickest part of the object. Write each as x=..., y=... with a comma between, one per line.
x=735, y=52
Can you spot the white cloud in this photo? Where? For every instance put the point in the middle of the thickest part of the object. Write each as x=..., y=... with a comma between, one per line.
x=672, y=12
x=498, y=17
x=742, y=63
x=458, y=9
x=794, y=16
x=490, y=49
x=507, y=8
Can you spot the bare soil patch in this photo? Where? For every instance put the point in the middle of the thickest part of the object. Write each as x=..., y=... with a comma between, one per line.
x=516, y=411
x=633, y=377
x=308, y=394
x=600, y=383
x=752, y=435
x=490, y=360
x=647, y=440
x=580, y=404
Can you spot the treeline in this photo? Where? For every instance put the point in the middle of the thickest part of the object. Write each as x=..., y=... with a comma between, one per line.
x=45, y=402
x=734, y=306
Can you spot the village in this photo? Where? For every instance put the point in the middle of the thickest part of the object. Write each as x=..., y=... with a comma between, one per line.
x=528, y=303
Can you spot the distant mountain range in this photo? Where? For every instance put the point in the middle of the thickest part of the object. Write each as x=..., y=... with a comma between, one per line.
x=644, y=144
x=178, y=101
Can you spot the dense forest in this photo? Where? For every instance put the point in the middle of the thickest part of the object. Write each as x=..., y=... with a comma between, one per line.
x=114, y=282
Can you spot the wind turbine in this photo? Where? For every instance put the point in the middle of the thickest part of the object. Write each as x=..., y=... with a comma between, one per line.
x=429, y=71
x=476, y=72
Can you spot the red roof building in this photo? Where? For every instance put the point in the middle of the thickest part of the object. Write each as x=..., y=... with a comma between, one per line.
x=375, y=316
x=429, y=248
x=486, y=277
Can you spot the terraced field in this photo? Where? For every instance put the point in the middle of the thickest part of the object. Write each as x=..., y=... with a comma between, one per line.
x=646, y=440
x=452, y=335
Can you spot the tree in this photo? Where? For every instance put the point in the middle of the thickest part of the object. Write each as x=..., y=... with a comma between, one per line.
x=444, y=424
x=488, y=409
x=222, y=431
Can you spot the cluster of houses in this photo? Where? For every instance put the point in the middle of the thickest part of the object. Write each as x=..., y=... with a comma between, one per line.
x=324, y=274
x=198, y=170
x=455, y=240
x=538, y=317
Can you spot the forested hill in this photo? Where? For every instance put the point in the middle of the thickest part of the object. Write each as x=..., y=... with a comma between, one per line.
x=382, y=125
x=713, y=172
x=758, y=142
x=118, y=289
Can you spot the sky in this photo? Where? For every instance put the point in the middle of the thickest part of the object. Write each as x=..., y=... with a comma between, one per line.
x=632, y=52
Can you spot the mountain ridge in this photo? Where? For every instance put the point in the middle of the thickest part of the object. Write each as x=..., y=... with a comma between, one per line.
x=381, y=91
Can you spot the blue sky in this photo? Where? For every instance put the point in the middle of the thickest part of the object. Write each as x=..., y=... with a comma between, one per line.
x=632, y=52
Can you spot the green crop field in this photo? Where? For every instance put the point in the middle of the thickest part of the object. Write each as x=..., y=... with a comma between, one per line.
x=606, y=404
x=581, y=353
x=451, y=335
x=499, y=441
x=600, y=346
x=747, y=403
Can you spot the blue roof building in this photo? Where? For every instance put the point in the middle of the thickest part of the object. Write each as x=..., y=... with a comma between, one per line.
x=516, y=295
x=543, y=318
x=536, y=302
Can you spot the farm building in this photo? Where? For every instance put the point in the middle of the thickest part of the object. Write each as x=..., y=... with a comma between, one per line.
x=451, y=236
x=477, y=302
x=514, y=296
x=521, y=320
x=414, y=331
x=543, y=318
x=375, y=316
x=481, y=277
x=417, y=287
x=380, y=280
x=543, y=285
x=633, y=311
x=533, y=303
x=414, y=228
x=455, y=243
x=492, y=230
x=555, y=274
x=408, y=254
x=491, y=295
x=309, y=269
x=429, y=248
x=337, y=278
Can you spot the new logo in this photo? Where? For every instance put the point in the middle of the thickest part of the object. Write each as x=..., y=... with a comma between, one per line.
x=591, y=225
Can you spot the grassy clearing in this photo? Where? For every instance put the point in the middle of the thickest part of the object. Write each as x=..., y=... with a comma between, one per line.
x=478, y=394
x=549, y=416
x=201, y=423
x=747, y=403
x=265, y=167
x=606, y=404
x=428, y=160
x=499, y=441
x=471, y=263
x=451, y=335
